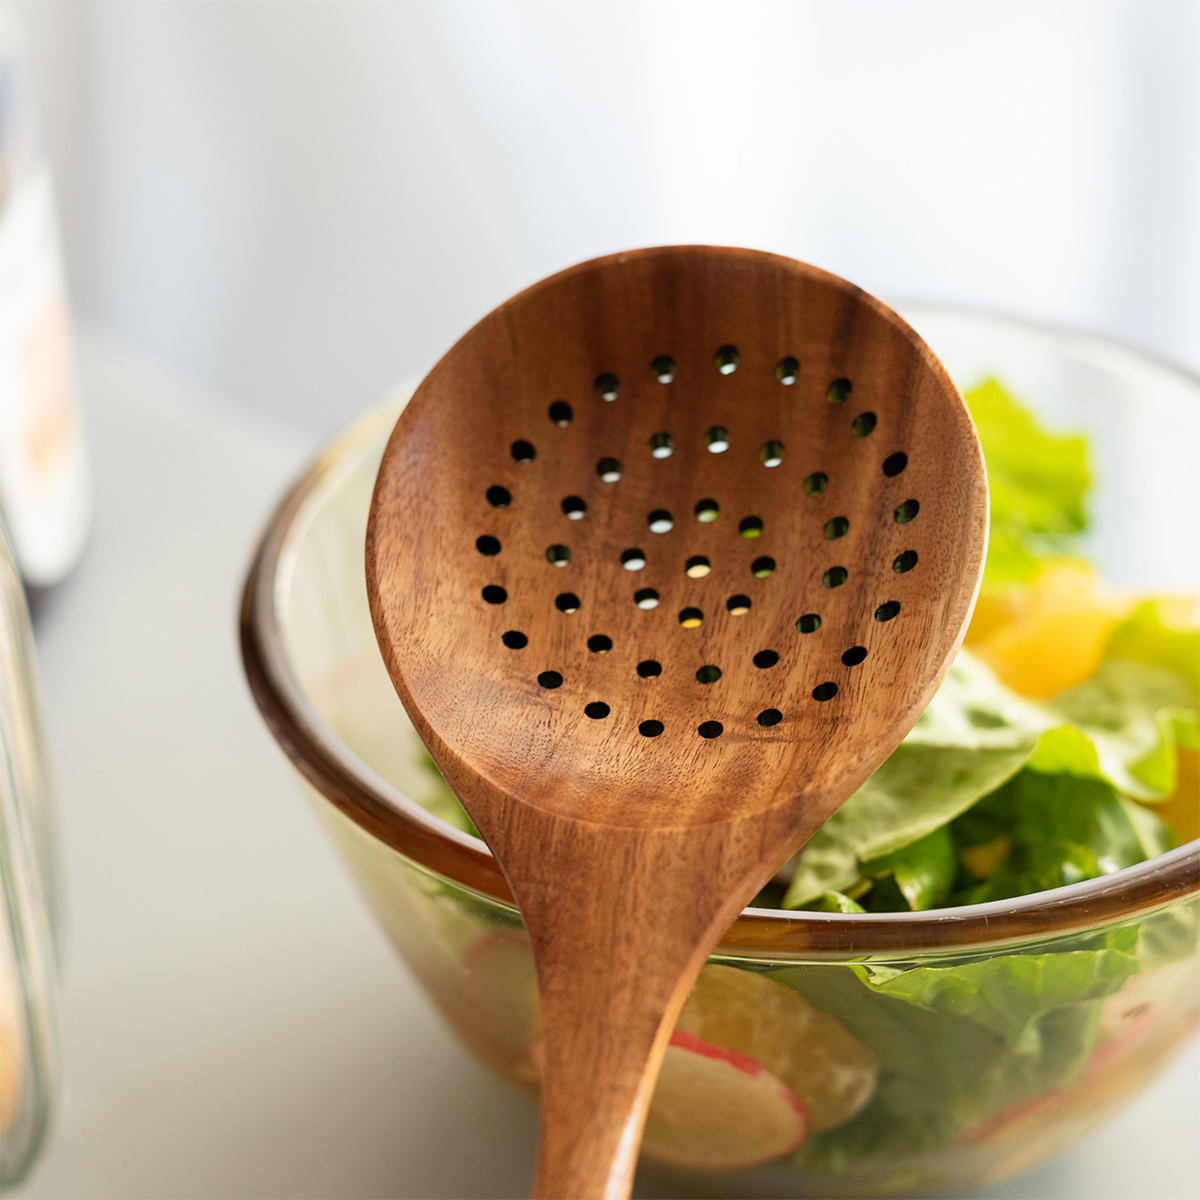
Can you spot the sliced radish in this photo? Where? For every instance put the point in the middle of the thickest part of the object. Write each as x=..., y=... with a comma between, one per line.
x=714, y=1108
x=829, y=1070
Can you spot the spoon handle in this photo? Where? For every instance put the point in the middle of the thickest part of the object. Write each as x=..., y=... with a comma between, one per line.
x=621, y=920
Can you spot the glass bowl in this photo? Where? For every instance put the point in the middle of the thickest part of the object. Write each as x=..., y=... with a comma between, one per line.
x=932, y=1051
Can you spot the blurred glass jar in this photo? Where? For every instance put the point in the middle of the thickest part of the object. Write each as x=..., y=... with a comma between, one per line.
x=28, y=892
x=45, y=492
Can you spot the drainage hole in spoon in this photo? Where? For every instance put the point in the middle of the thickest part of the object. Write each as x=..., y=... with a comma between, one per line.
x=816, y=483
x=887, y=610
x=750, y=527
x=500, y=497
x=895, y=463
x=633, y=559
x=645, y=598
x=660, y=521
x=717, y=439
x=550, y=679
x=762, y=568
x=825, y=691
x=575, y=508
x=786, y=370
x=597, y=710
x=663, y=368
x=648, y=668
x=609, y=470
x=650, y=728
x=697, y=567
x=834, y=577
x=904, y=562
x=607, y=386
x=494, y=594
x=710, y=729
x=765, y=658
x=691, y=618
x=770, y=454
x=707, y=511
x=838, y=391
x=523, y=451
x=810, y=623
x=770, y=716
x=561, y=413
x=862, y=424
x=487, y=544
x=854, y=655
x=738, y=606
x=906, y=511
x=599, y=643
x=708, y=674
x=514, y=639
x=836, y=527
x=567, y=602
x=662, y=445
x=558, y=555
x=726, y=360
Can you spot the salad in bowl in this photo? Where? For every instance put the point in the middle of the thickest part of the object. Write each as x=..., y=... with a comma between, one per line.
x=984, y=952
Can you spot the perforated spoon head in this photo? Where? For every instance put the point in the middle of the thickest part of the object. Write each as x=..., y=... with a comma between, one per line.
x=676, y=534
x=666, y=556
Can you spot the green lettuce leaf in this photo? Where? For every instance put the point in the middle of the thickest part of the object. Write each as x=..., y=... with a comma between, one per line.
x=1123, y=724
x=1120, y=730
x=1009, y=993
x=1145, y=637
x=1036, y=485
x=974, y=735
x=960, y=1041
x=923, y=870
x=1062, y=829
x=1169, y=935
x=836, y=902
x=1153, y=833
x=963, y=1038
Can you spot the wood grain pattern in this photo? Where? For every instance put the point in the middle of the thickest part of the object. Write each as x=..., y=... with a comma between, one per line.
x=630, y=854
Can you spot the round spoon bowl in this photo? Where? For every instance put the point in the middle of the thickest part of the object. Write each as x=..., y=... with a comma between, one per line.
x=316, y=672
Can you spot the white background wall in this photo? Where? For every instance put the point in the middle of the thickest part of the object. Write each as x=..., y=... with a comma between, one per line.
x=300, y=203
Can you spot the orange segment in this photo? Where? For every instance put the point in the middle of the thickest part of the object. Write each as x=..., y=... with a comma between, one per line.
x=831, y=1072
x=1182, y=810
x=1051, y=634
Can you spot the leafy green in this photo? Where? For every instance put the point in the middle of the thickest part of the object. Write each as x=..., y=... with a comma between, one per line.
x=959, y=1040
x=1153, y=833
x=836, y=902
x=974, y=735
x=1123, y=723
x=1008, y=993
x=1036, y=485
x=1147, y=638
x=1119, y=730
x=1062, y=829
x=1169, y=935
x=924, y=870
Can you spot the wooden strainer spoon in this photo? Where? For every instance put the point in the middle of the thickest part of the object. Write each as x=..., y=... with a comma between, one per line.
x=665, y=557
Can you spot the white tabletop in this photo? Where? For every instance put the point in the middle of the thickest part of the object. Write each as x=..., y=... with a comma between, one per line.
x=233, y=1024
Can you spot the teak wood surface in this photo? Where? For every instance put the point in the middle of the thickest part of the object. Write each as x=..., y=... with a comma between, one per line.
x=629, y=854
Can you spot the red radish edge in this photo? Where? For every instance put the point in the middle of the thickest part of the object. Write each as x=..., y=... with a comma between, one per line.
x=689, y=1041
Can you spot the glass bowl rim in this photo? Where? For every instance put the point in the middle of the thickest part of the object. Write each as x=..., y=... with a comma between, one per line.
x=383, y=811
